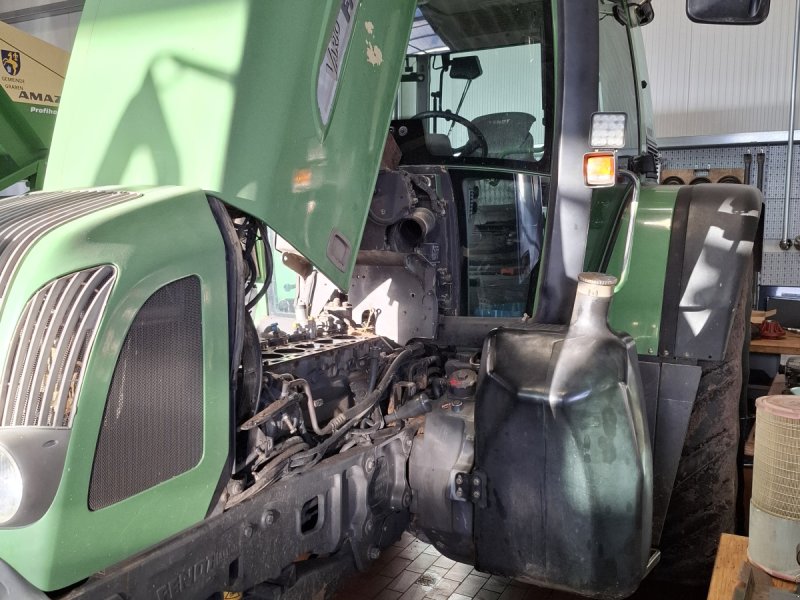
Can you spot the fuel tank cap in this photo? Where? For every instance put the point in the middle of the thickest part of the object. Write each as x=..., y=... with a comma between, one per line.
x=596, y=284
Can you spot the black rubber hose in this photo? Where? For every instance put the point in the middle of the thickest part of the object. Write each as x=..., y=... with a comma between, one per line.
x=249, y=243
x=235, y=267
x=262, y=228
x=344, y=422
x=760, y=173
x=375, y=395
x=373, y=374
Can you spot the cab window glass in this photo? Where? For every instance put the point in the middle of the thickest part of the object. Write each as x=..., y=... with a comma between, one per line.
x=497, y=81
x=511, y=121
x=504, y=230
x=617, y=91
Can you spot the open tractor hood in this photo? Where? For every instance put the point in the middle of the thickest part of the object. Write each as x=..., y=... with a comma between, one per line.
x=261, y=103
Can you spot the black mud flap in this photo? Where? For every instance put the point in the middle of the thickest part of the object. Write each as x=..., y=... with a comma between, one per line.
x=713, y=233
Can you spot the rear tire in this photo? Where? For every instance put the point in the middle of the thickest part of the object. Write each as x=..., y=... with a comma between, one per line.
x=703, y=502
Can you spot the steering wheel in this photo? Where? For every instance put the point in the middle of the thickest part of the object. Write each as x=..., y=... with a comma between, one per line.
x=478, y=142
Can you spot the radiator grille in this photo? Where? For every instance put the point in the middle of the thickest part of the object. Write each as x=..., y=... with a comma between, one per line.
x=24, y=220
x=46, y=357
x=152, y=426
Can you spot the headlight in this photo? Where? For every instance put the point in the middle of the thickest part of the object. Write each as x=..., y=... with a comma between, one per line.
x=10, y=486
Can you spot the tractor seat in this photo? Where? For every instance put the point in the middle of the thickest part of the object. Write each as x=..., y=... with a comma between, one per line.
x=507, y=134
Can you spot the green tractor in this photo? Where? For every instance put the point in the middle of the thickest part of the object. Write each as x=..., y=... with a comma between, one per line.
x=462, y=196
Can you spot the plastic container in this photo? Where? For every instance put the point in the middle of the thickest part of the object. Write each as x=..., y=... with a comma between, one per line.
x=562, y=441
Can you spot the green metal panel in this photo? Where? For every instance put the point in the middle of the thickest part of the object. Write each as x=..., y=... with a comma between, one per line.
x=24, y=135
x=163, y=236
x=636, y=308
x=223, y=94
x=24, y=140
x=606, y=204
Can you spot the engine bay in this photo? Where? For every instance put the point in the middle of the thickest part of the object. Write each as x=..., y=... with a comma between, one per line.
x=357, y=371
x=449, y=436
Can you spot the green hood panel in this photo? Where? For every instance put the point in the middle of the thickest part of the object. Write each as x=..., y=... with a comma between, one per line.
x=151, y=238
x=232, y=96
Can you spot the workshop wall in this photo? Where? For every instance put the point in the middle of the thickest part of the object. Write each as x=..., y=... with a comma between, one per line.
x=54, y=21
x=59, y=30
x=712, y=79
x=779, y=267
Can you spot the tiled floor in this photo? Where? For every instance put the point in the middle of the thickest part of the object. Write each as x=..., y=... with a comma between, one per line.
x=414, y=570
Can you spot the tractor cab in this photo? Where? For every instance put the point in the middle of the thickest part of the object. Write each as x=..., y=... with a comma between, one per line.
x=458, y=216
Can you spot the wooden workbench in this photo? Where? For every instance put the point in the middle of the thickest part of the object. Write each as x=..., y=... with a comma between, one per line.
x=731, y=557
x=787, y=345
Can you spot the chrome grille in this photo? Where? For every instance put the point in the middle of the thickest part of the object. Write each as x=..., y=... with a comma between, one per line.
x=46, y=356
x=24, y=220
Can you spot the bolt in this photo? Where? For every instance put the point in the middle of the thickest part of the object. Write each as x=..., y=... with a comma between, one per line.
x=459, y=492
x=476, y=494
x=368, y=526
x=476, y=481
x=407, y=499
x=409, y=442
x=268, y=518
x=369, y=465
x=373, y=553
x=289, y=424
x=248, y=531
x=459, y=479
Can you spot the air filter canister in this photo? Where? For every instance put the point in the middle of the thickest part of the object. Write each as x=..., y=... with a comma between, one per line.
x=775, y=504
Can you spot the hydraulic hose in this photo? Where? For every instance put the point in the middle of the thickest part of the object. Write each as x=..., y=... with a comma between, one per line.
x=262, y=229
x=373, y=372
x=344, y=422
x=374, y=396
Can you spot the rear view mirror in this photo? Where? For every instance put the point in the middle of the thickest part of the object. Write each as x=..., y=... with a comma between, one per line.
x=465, y=67
x=727, y=12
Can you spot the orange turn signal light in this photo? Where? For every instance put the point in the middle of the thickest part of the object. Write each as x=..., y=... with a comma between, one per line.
x=600, y=169
x=301, y=180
